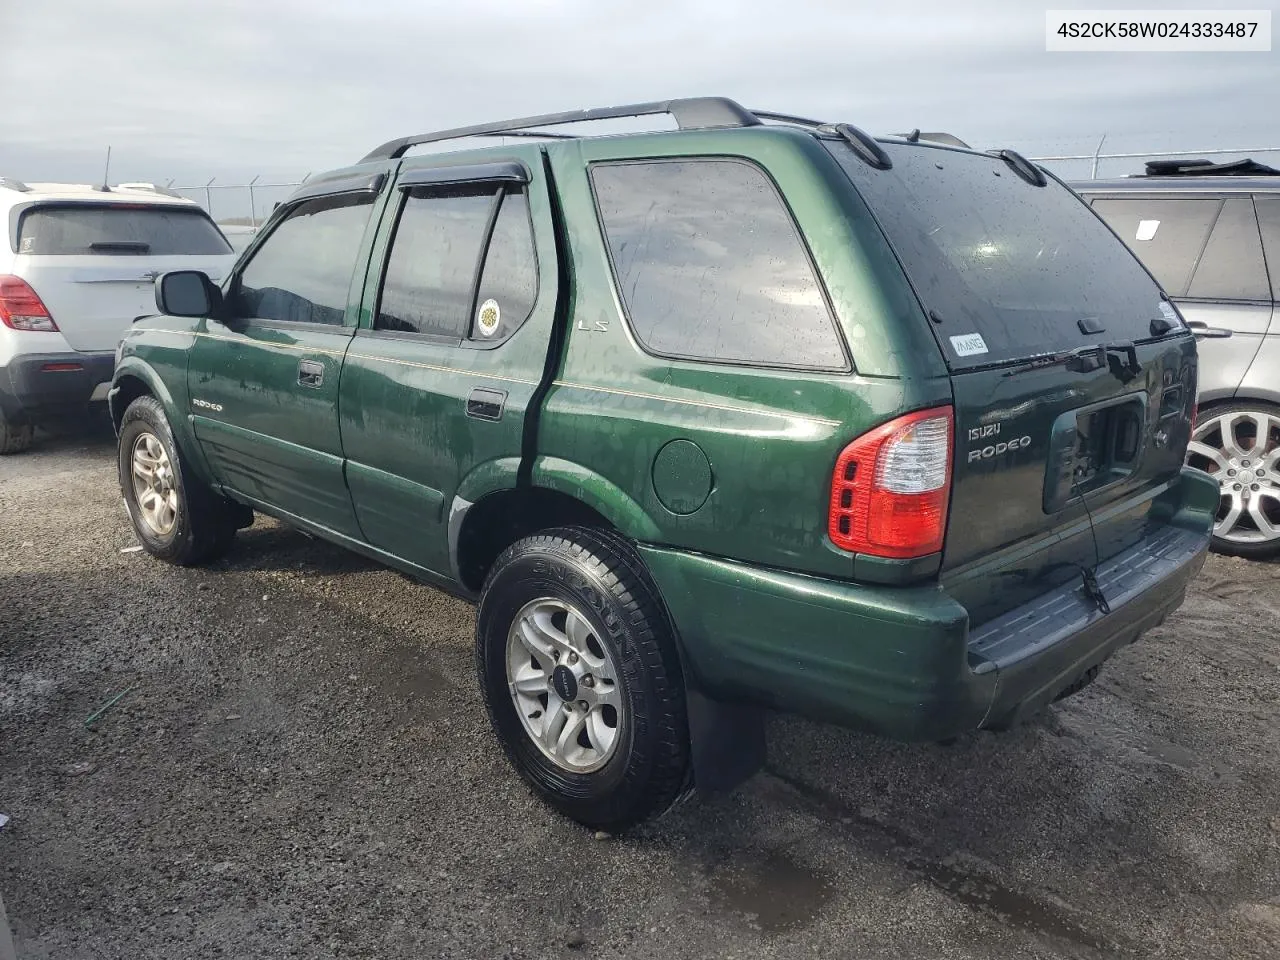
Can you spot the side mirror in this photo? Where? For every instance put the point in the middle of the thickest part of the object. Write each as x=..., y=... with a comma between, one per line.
x=1203, y=331
x=187, y=293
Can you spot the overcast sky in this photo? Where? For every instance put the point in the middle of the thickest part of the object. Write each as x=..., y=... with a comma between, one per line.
x=193, y=89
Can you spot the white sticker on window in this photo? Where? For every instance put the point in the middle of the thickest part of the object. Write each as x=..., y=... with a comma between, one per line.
x=488, y=317
x=968, y=344
x=1147, y=229
x=27, y=244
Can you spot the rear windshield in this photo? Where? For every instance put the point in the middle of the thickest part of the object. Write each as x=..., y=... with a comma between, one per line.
x=1008, y=269
x=120, y=230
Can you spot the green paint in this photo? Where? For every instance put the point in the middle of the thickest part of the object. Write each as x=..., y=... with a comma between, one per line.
x=720, y=473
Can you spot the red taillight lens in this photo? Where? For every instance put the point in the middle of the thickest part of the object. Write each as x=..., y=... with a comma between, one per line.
x=1195, y=413
x=891, y=486
x=21, y=308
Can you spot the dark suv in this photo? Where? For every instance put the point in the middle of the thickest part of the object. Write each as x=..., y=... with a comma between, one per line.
x=1210, y=233
x=757, y=412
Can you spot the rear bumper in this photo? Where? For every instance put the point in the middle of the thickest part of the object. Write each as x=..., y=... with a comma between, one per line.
x=904, y=661
x=38, y=385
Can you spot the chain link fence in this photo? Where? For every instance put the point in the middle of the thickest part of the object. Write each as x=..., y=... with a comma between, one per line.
x=242, y=207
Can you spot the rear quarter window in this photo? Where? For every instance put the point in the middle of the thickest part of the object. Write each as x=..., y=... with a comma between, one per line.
x=153, y=230
x=1167, y=235
x=1231, y=267
x=710, y=266
x=1269, y=223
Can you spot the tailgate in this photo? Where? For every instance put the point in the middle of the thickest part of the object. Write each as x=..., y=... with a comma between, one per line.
x=94, y=264
x=1035, y=448
x=1073, y=378
x=94, y=299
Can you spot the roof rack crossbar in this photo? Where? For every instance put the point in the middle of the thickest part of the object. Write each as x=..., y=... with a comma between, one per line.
x=694, y=113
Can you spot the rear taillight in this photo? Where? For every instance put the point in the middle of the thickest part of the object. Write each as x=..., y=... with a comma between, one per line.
x=1195, y=412
x=891, y=486
x=21, y=308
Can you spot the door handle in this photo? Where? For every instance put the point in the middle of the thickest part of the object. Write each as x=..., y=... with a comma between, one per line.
x=485, y=404
x=310, y=373
x=1203, y=331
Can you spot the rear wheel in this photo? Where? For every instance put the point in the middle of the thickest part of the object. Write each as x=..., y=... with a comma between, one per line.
x=14, y=437
x=1238, y=444
x=176, y=516
x=581, y=677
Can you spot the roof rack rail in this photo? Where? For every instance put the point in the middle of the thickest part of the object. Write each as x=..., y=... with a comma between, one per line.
x=693, y=113
x=9, y=183
x=788, y=118
x=1207, y=168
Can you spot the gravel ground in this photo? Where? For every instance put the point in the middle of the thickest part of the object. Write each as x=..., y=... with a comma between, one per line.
x=301, y=767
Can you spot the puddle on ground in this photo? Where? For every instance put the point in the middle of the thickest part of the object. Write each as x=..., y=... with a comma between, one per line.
x=410, y=680
x=781, y=893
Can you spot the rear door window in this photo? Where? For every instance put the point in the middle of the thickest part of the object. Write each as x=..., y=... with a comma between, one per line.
x=1009, y=270
x=427, y=286
x=302, y=272
x=1269, y=221
x=1231, y=267
x=430, y=286
x=154, y=230
x=710, y=265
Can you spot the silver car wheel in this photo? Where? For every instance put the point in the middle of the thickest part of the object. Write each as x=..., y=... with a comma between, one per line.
x=1241, y=450
x=154, y=486
x=564, y=684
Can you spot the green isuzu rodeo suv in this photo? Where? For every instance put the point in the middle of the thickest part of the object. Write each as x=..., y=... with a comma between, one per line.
x=756, y=412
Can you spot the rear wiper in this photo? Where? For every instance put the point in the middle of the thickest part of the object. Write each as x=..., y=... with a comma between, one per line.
x=138, y=246
x=1080, y=360
x=1088, y=359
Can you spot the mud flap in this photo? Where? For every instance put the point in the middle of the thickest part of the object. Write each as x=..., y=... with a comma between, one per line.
x=727, y=742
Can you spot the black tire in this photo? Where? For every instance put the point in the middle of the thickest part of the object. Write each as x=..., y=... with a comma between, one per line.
x=599, y=574
x=205, y=523
x=14, y=437
x=1237, y=548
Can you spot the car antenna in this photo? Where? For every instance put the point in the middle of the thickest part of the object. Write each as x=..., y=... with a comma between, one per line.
x=106, y=172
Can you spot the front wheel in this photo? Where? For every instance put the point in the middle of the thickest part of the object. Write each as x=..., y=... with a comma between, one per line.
x=581, y=678
x=176, y=516
x=1238, y=444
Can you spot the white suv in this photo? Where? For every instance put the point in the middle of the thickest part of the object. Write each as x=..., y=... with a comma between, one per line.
x=77, y=265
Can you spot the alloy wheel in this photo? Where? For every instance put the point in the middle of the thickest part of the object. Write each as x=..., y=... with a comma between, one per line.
x=154, y=485
x=1241, y=450
x=564, y=684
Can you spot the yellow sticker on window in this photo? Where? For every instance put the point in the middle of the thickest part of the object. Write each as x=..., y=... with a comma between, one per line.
x=488, y=318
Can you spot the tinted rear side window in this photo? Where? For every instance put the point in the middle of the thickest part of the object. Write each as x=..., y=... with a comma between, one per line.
x=1231, y=267
x=509, y=281
x=119, y=230
x=432, y=265
x=1269, y=221
x=710, y=265
x=1008, y=268
x=1167, y=235
x=302, y=271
